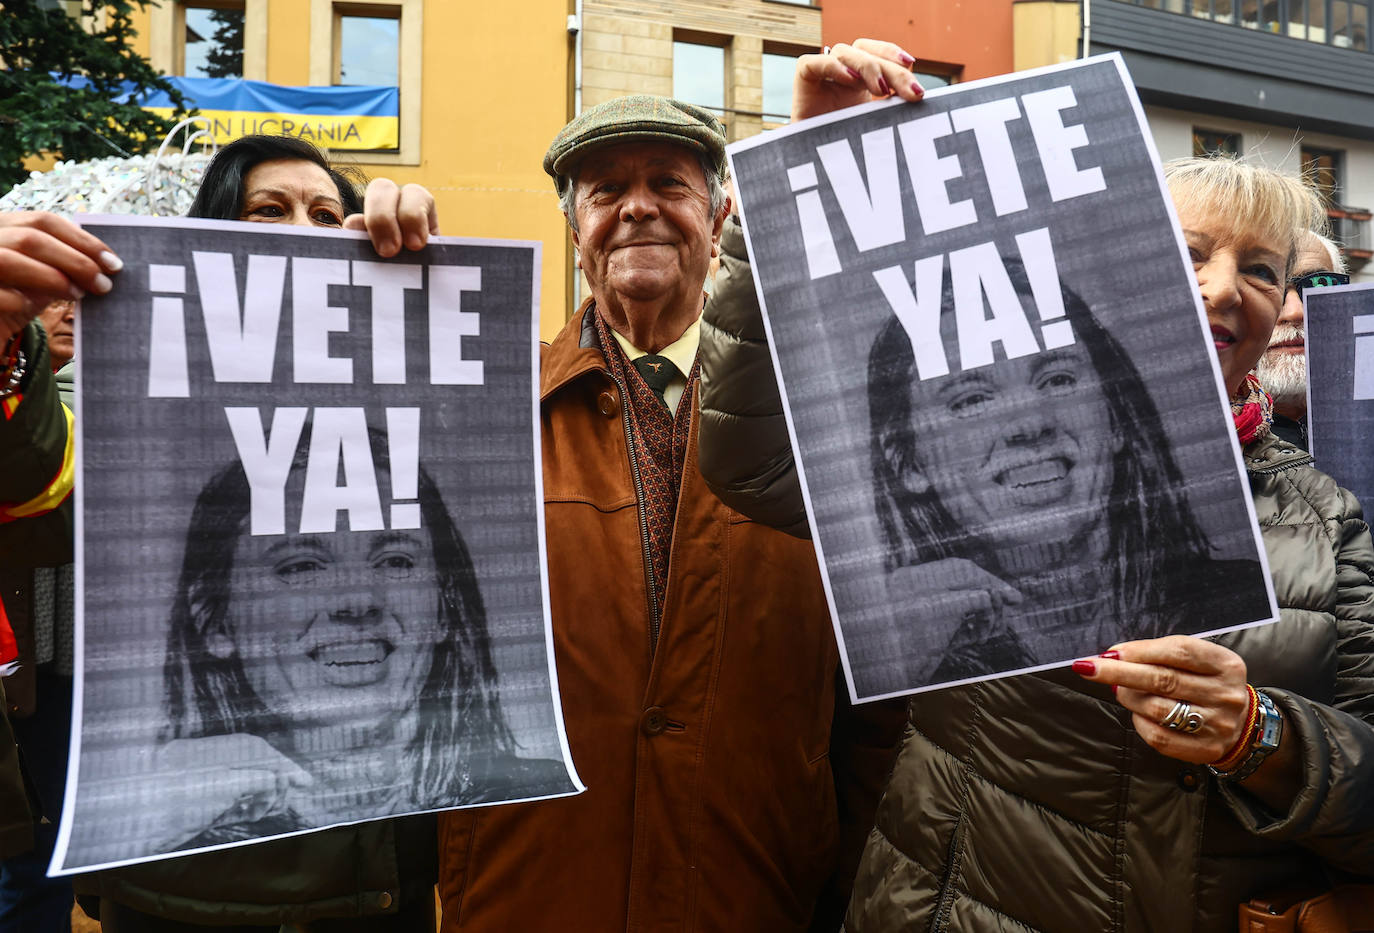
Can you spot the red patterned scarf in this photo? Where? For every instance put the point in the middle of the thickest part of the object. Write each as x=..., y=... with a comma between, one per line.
x=660, y=449
x=1253, y=411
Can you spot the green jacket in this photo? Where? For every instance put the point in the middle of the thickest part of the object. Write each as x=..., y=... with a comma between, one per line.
x=371, y=868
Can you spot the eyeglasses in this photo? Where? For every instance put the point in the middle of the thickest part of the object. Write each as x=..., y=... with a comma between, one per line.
x=1318, y=280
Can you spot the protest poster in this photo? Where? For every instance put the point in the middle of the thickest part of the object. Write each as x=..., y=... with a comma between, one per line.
x=1339, y=324
x=1013, y=438
x=310, y=544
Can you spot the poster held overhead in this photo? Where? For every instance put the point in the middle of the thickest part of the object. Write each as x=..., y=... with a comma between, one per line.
x=1013, y=439
x=310, y=544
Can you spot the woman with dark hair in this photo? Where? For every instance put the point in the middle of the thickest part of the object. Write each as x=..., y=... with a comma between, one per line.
x=225, y=187
x=375, y=877
x=1079, y=465
x=338, y=651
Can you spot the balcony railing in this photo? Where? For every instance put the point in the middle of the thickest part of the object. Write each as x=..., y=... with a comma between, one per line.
x=1350, y=228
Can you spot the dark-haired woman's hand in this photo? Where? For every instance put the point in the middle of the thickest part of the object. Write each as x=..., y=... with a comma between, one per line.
x=396, y=216
x=44, y=257
x=1154, y=674
x=847, y=75
x=217, y=780
x=945, y=596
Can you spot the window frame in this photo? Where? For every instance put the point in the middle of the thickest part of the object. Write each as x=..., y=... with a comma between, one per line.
x=1239, y=141
x=325, y=16
x=167, y=34
x=1206, y=10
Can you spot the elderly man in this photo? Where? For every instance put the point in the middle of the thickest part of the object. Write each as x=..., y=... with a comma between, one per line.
x=1283, y=368
x=728, y=785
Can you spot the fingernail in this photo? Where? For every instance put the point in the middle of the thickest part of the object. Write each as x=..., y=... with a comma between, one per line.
x=101, y=284
x=917, y=89
x=75, y=293
x=906, y=59
x=853, y=74
x=1114, y=689
x=1113, y=655
x=883, y=86
x=111, y=262
x=1086, y=668
x=825, y=50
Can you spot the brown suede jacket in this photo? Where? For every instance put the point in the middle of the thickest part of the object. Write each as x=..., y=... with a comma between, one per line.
x=728, y=787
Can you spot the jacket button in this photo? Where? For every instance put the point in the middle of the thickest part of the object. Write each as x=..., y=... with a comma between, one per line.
x=608, y=403
x=654, y=720
x=384, y=900
x=1189, y=780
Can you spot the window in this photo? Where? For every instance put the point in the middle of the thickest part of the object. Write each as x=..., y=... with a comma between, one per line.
x=378, y=43
x=212, y=41
x=368, y=50
x=1325, y=167
x=935, y=78
x=1342, y=23
x=779, y=68
x=1208, y=142
x=1350, y=24
x=777, y=86
x=699, y=75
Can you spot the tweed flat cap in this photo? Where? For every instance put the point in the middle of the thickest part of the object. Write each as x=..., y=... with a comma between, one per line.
x=637, y=117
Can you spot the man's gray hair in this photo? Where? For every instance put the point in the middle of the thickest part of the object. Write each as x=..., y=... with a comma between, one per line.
x=715, y=186
x=1338, y=263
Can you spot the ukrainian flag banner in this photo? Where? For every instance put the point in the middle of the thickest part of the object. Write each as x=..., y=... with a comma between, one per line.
x=335, y=117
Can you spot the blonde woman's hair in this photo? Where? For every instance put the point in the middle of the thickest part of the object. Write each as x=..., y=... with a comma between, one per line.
x=1270, y=203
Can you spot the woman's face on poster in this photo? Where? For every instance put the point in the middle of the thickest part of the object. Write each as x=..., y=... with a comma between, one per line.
x=334, y=628
x=1018, y=452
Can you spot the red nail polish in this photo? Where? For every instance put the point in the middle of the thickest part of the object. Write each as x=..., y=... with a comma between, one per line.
x=853, y=74
x=1086, y=668
x=1113, y=689
x=917, y=89
x=1113, y=655
x=906, y=59
x=883, y=86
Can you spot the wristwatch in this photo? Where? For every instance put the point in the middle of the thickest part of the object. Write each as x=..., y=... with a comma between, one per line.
x=1268, y=734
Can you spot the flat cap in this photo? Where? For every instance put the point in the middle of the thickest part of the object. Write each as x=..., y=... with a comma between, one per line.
x=628, y=119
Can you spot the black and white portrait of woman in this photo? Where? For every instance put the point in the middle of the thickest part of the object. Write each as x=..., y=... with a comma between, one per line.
x=1032, y=510
x=336, y=676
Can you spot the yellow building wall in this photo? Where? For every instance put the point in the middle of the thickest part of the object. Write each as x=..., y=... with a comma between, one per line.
x=494, y=91
x=1045, y=32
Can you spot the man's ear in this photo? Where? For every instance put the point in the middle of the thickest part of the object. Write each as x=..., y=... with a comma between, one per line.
x=718, y=226
x=576, y=242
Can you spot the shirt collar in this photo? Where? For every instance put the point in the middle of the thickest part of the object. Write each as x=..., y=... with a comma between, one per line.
x=682, y=351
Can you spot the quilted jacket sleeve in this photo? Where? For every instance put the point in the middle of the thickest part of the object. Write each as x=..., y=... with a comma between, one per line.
x=36, y=466
x=1333, y=812
x=745, y=451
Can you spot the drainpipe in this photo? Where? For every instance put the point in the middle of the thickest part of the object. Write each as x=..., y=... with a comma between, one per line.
x=1087, y=27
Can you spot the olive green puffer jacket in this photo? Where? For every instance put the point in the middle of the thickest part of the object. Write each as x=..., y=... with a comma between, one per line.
x=1030, y=803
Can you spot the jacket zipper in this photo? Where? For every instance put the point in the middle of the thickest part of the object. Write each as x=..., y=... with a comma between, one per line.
x=1270, y=471
x=655, y=621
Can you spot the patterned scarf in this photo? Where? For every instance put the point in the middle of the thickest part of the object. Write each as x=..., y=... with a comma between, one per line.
x=1253, y=411
x=660, y=450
